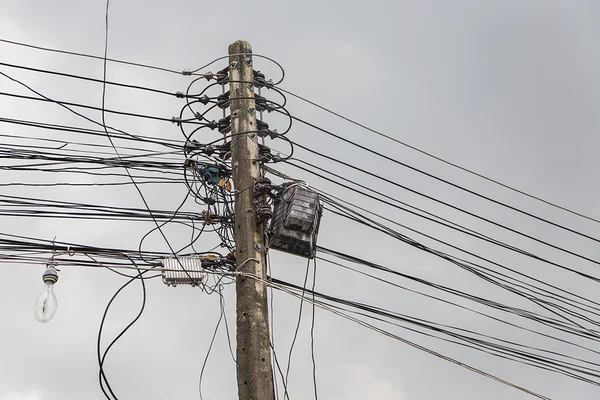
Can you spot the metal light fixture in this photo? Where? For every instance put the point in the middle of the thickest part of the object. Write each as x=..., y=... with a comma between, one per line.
x=46, y=303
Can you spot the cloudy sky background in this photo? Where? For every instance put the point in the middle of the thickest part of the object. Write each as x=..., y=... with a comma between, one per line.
x=507, y=88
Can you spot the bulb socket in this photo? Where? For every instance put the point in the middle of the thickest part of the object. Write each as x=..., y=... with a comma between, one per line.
x=50, y=275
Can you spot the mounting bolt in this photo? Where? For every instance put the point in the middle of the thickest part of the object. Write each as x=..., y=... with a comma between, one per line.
x=234, y=64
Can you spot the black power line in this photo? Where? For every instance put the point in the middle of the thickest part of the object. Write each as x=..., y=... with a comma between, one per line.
x=85, y=78
x=432, y=176
x=72, y=53
x=461, y=229
x=438, y=158
x=87, y=107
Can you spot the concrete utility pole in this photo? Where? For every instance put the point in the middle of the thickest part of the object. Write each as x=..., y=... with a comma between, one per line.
x=254, y=368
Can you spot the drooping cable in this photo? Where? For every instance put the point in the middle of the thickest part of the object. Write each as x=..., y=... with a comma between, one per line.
x=115, y=148
x=103, y=380
x=312, y=331
x=289, y=361
x=212, y=341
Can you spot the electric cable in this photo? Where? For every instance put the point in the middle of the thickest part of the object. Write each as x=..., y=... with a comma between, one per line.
x=449, y=302
x=486, y=277
x=88, y=107
x=386, y=230
x=212, y=341
x=101, y=359
x=544, y=362
x=93, y=132
x=89, y=79
x=432, y=176
x=117, y=151
x=433, y=199
x=72, y=53
x=470, y=233
x=276, y=283
x=222, y=304
x=104, y=126
x=285, y=389
x=470, y=171
x=272, y=322
x=312, y=331
x=222, y=208
x=287, y=372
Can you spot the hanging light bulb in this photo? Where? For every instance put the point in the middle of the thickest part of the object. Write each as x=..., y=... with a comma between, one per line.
x=45, y=305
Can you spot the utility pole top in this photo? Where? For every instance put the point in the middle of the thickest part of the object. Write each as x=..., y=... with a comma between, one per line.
x=240, y=46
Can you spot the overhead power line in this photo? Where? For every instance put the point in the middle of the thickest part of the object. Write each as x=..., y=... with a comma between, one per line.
x=85, y=78
x=208, y=172
x=66, y=103
x=445, y=181
x=177, y=144
x=462, y=229
x=535, y=356
x=280, y=285
x=113, y=60
x=472, y=172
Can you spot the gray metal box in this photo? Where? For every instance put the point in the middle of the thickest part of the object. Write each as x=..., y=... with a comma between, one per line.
x=183, y=271
x=295, y=222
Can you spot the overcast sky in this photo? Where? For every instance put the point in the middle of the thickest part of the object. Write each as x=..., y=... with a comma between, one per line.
x=506, y=88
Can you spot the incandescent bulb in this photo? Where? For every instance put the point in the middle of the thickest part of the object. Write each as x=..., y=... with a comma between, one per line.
x=46, y=303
